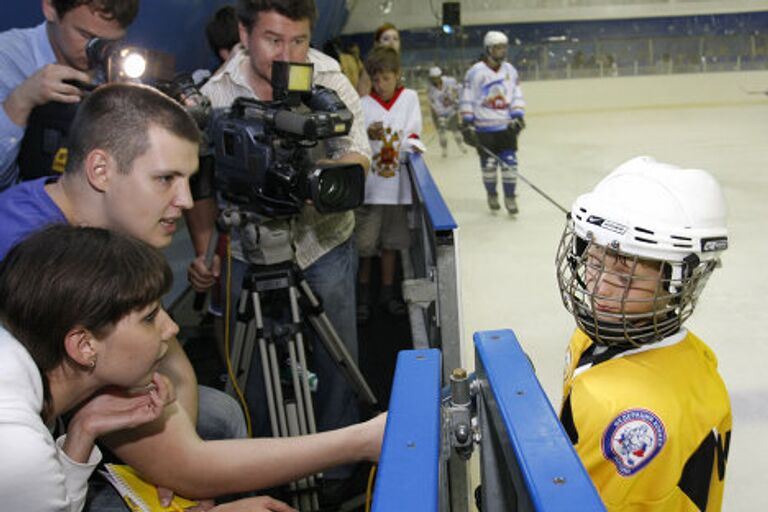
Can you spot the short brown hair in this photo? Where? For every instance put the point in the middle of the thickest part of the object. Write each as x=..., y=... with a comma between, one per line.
x=296, y=10
x=117, y=117
x=382, y=59
x=66, y=276
x=122, y=11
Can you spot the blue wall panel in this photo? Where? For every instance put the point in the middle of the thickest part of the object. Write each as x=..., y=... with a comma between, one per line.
x=175, y=26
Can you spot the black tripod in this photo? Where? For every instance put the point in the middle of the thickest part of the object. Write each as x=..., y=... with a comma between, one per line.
x=282, y=288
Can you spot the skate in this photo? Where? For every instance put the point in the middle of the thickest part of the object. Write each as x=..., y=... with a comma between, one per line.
x=510, y=203
x=493, y=202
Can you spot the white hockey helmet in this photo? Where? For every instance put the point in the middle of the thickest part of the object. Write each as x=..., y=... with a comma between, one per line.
x=644, y=211
x=493, y=38
x=435, y=72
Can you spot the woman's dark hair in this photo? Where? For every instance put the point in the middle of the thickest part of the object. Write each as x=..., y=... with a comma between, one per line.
x=122, y=11
x=64, y=276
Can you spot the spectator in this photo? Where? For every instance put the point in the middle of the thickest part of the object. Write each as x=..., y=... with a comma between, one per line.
x=386, y=35
x=393, y=120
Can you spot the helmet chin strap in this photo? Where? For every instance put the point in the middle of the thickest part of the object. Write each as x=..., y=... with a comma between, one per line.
x=626, y=335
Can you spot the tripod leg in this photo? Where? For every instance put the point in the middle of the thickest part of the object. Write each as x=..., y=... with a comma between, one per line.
x=305, y=486
x=311, y=426
x=265, y=366
x=303, y=410
x=273, y=368
x=251, y=332
x=335, y=345
x=236, y=350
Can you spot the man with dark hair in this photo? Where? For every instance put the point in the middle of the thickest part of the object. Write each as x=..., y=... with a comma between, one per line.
x=279, y=30
x=36, y=64
x=222, y=33
x=133, y=151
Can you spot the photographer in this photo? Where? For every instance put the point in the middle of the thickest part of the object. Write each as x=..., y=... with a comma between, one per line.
x=36, y=62
x=279, y=30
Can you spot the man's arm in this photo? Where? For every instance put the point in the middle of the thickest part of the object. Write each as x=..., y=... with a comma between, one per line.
x=354, y=147
x=178, y=369
x=45, y=85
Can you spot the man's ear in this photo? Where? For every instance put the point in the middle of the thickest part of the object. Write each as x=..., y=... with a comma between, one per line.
x=98, y=169
x=49, y=11
x=243, y=31
x=80, y=346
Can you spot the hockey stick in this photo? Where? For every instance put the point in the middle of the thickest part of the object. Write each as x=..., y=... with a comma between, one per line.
x=765, y=93
x=526, y=180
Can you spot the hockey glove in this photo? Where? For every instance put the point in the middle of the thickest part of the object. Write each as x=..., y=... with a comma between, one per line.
x=469, y=135
x=516, y=125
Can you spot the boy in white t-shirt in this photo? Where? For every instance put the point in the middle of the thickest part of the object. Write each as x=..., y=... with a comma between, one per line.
x=393, y=120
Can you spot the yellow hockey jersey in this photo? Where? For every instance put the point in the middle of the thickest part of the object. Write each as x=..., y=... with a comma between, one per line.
x=652, y=425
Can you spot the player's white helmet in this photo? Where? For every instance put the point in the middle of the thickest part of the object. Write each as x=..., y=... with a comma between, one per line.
x=435, y=72
x=493, y=38
x=643, y=211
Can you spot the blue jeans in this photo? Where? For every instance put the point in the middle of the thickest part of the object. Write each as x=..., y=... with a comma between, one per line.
x=332, y=279
x=219, y=416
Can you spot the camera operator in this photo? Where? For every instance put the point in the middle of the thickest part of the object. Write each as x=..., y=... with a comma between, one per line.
x=279, y=30
x=36, y=62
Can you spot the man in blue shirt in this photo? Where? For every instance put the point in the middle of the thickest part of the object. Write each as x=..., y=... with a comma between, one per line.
x=36, y=62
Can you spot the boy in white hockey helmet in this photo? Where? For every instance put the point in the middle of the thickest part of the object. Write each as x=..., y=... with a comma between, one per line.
x=443, y=94
x=492, y=110
x=643, y=403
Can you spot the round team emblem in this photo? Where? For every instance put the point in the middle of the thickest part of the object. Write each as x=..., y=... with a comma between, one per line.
x=633, y=439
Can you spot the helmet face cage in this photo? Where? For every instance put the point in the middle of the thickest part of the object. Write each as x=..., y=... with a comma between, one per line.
x=647, y=301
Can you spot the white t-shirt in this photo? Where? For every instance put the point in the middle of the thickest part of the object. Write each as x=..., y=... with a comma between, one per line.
x=388, y=182
x=35, y=473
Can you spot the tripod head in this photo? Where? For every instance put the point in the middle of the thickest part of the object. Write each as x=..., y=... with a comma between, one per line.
x=265, y=241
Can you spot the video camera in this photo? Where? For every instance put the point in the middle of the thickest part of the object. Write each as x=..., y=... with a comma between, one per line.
x=262, y=149
x=43, y=148
x=114, y=61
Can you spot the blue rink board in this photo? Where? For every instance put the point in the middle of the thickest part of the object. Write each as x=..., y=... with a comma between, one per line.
x=440, y=216
x=407, y=478
x=549, y=466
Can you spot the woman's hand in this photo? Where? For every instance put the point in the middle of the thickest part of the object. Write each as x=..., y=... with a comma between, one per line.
x=116, y=409
x=257, y=504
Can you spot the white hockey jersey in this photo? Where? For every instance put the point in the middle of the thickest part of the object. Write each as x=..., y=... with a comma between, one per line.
x=387, y=181
x=489, y=98
x=444, y=100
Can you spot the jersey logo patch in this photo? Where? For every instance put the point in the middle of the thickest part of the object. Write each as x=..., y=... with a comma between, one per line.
x=633, y=439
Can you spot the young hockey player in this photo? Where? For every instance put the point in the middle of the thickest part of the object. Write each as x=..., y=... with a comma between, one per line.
x=643, y=402
x=492, y=109
x=443, y=94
